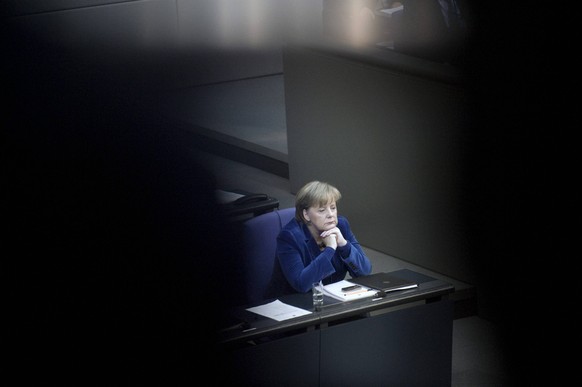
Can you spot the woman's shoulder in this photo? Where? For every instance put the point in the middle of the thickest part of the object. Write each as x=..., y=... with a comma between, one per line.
x=291, y=231
x=342, y=220
x=293, y=226
x=343, y=223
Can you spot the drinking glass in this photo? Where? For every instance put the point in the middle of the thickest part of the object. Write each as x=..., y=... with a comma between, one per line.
x=317, y=290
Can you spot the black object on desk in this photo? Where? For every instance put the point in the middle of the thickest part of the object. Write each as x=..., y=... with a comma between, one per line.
x=246, y=205
x=384, y=282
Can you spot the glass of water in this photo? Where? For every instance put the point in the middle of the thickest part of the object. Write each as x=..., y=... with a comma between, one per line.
x=317, y=290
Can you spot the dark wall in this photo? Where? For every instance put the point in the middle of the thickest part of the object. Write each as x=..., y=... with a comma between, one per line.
x=112, y=233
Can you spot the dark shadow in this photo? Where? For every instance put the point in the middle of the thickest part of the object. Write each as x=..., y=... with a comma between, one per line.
x=119, y=260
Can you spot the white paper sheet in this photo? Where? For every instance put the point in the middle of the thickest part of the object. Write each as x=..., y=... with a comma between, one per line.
x=278, y=310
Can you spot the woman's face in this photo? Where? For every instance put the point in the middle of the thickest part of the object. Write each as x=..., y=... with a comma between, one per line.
x=322, y=218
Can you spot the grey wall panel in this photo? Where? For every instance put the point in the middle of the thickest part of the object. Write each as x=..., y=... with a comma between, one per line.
x=134, y=24
x=392, y=142
x=242, y=39
x=248, y=23
x=189, y=42
x=27, y=7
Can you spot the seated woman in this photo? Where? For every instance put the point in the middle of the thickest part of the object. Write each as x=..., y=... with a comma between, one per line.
x=318, y=245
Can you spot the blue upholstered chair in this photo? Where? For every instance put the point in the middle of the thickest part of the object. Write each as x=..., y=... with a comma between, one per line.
x=263, y=276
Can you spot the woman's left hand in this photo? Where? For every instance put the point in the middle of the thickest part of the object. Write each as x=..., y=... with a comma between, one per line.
x=341, y=241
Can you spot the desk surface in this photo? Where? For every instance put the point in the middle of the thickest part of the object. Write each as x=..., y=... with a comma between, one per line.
x=254, y=326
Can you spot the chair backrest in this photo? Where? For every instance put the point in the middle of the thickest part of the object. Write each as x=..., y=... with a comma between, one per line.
x=263, y=276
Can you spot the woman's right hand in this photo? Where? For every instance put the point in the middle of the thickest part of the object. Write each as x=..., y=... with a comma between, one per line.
x=330, y=241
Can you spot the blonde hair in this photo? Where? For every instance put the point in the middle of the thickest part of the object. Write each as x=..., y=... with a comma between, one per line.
x=314, y=194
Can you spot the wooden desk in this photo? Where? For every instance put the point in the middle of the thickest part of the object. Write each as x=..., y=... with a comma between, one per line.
x=404, y=338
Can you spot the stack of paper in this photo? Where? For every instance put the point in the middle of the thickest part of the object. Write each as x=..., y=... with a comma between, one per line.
x=347, y=291
x=278, y=310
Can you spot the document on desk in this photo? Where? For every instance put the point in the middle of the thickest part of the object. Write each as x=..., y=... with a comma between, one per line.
x=278, y=310
x=346, y=291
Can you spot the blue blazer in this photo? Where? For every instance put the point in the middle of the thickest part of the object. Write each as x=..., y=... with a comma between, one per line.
x=303, y=263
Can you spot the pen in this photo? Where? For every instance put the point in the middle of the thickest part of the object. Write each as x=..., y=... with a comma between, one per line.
x=350, y=288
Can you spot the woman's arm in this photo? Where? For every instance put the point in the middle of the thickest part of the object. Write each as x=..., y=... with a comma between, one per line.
x=352, y=255
x=299, y=265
